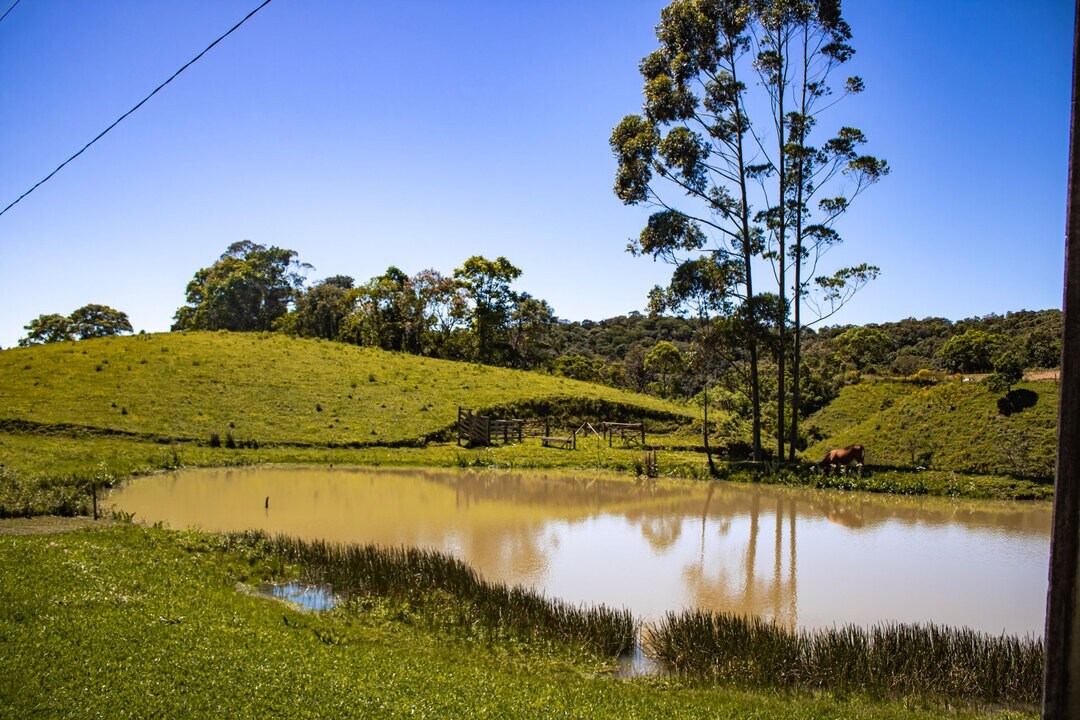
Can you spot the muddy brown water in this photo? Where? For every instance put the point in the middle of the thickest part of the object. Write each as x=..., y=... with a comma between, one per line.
x=805, y=558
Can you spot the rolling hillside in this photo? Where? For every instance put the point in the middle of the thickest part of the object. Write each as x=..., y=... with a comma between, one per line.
x=271, y=388
x=954, y=425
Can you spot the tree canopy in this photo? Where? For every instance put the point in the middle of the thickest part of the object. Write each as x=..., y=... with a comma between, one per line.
x=89, y=321
x=487, y=285
x=973, y=351
x=47, y=329
x=248, y=288
x=99, y=321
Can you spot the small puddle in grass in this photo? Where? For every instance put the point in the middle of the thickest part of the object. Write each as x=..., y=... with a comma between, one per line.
x=636, y=663
x=309, y=597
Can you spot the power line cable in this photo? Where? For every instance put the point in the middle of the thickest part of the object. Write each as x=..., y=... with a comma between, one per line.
x=9, y=10
x=100, y=135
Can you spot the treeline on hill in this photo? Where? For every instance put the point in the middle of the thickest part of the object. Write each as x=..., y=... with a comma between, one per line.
x=475, y=314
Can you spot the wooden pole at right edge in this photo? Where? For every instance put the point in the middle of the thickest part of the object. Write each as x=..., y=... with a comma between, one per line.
x=1061, y=672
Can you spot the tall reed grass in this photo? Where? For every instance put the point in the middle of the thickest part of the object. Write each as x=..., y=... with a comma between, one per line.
x=23, y=495
x=891, y=659
x=425, y=576
x=894, y=659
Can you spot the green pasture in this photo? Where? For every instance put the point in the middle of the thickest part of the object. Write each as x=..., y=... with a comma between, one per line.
x=52, y=474
x=78, y=414
x=264, y=388
x=951, y=426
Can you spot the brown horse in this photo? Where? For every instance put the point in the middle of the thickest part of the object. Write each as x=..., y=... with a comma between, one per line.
x=842, y=456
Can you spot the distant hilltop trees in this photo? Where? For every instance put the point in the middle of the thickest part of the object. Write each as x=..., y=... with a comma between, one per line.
x=473, y=315
x=89, y=321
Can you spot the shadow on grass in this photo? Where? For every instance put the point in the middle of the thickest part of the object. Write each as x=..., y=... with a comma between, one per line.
x=1017, y=400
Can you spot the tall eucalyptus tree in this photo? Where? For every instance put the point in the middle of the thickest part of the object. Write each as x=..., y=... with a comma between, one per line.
x=690, y=148
x=816, y=43
x=736, y=188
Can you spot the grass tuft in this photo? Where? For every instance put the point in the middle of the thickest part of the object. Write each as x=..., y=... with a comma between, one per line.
x=891, y=659
x=422, y=577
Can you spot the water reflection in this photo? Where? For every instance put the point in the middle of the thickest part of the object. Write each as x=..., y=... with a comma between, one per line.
x=802, y=557
x=309, y=597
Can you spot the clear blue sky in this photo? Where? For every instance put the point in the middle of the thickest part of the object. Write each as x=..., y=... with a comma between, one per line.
x=417, y=134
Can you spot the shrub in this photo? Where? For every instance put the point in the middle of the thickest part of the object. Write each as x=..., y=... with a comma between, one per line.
x=925, y=377
x=1008, y=370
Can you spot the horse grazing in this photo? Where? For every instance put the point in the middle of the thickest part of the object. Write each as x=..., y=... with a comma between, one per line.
x=842, y=456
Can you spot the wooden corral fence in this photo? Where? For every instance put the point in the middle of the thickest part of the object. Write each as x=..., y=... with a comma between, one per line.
x=477, y=429
x=564, y=442
x=629, y=433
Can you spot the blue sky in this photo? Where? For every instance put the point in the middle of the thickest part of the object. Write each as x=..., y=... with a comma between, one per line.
x=417, y=134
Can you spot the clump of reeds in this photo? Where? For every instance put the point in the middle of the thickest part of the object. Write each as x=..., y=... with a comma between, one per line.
x=421, y=576
x=895, y=659
x=24, y=495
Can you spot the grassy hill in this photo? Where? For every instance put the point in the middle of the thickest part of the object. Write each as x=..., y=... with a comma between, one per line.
x=77, y=413
x=272, y=389
x=954, y=425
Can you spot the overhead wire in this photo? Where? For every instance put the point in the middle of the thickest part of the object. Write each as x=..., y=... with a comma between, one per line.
x=9, y=10
x=120, y=119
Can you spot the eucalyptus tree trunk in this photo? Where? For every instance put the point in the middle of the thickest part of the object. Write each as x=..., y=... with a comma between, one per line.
x=705, y=427
x=796, y=356
x=781, y=237
x=747, y=258
x=1061, y=669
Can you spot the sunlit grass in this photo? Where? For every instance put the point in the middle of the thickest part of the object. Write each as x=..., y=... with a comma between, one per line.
x=51, y=473
x=268, y=388
x=133, y=622
x=953, y=426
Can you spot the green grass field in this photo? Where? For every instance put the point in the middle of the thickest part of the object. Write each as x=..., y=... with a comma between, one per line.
x=92, y=411
x=274, y=389
x=132, y=622
x=73, y=414
x=159, y=616
x=953, y=426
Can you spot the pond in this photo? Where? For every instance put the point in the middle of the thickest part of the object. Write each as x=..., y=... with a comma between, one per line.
x=805, y=558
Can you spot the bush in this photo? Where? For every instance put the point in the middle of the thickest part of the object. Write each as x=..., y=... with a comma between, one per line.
x=1008, y=370
x=925, y=377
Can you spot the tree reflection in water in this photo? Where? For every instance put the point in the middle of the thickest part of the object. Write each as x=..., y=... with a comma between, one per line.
x=802, y=557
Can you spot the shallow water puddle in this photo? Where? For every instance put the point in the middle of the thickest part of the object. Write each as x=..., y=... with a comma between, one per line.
x=309, y=597
x=805, y=558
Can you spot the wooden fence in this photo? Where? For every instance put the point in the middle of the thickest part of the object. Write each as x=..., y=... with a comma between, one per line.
x=629, y=433
x=477, y=429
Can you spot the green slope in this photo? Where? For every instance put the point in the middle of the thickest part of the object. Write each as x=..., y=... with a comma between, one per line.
x=959, y=426
x=275, y=389
x=855, y=404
